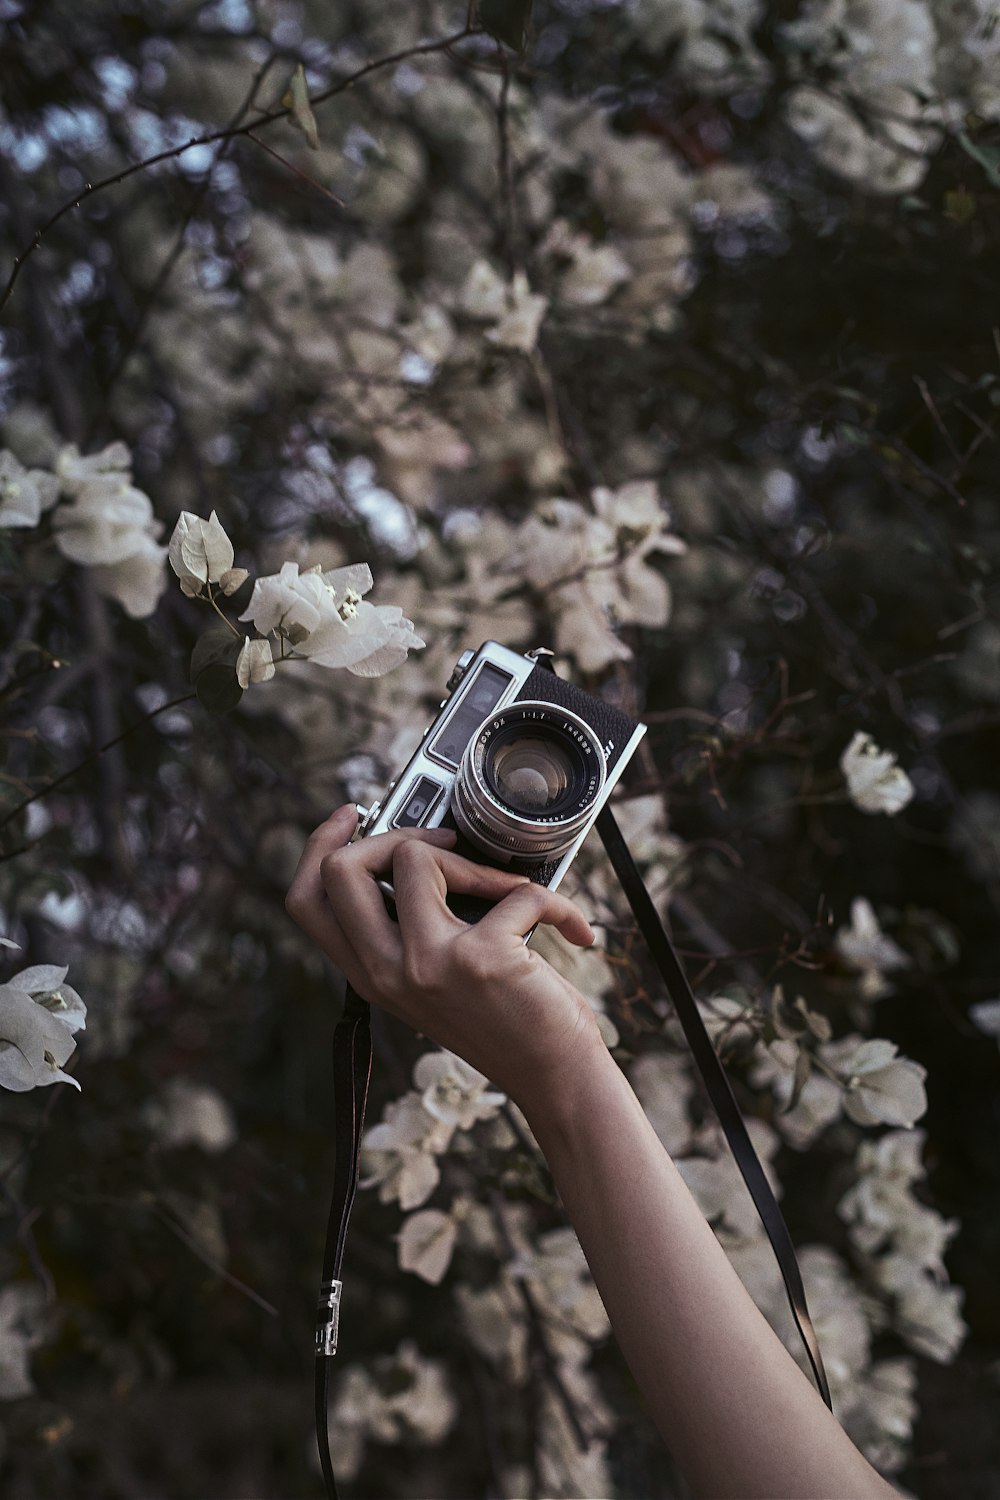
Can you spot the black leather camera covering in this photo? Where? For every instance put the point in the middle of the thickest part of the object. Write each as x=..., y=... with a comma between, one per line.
x=610, y=725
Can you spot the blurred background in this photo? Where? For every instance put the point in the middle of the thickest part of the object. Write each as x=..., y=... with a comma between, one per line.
x=659, y=332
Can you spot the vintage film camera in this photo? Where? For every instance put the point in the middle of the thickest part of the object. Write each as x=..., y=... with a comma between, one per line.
x=518, y=761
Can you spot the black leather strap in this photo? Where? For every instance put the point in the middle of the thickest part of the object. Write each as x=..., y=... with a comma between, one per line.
x=716, y=1083
x=352, y=1068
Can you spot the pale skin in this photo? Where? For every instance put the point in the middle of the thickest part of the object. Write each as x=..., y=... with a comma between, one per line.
x=740, y=1418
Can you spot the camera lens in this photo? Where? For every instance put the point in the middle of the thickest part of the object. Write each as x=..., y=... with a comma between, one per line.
x=528, y=782
x=533, y=774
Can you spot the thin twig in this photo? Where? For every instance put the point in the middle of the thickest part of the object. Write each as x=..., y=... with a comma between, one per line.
x=88, y=759
x=209, y=139
x=162, y=276
x=212, y=1264
x=296, y=171
x=538, y=1330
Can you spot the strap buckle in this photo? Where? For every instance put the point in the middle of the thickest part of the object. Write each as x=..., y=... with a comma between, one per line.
x=328, y=1317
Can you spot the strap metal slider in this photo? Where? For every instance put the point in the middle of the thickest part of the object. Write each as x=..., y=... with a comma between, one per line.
x=328, y=1317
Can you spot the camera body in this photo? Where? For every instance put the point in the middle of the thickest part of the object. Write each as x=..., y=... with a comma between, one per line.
x=518, y=761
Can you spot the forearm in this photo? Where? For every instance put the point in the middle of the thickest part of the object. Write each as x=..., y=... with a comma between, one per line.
x=739, y=1416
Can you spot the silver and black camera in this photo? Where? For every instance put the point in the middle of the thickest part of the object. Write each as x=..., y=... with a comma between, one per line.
x=518, y=761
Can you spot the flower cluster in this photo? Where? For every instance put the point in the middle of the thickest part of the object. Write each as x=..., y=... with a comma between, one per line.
x=39, y=1016
x=902, y=1242
x=875, y=783
x=594, y=568
x=105, y=523
x=317, y=616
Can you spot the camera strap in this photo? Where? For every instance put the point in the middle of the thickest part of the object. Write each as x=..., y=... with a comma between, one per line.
x=352, y=1071
x=719, y=1088
x=352, y=1063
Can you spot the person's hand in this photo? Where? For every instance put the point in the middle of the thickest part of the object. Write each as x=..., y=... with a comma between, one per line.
x=475, y=989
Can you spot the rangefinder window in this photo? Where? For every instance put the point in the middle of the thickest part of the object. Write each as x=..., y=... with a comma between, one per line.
x=418, y=804
x=477, y=703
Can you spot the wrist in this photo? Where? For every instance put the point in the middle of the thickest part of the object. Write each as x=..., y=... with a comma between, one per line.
x=561, y=1105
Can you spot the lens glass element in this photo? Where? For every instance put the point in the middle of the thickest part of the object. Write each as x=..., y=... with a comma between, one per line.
x=532, y=774
x=530, y=782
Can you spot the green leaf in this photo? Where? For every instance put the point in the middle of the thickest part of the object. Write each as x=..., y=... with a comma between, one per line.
x=218, y=646
x=213, y=669
x=217, y=689
x=506, y=20
x=803, y=1067
x=960, y=205
x=297, y=100
x=988, y=157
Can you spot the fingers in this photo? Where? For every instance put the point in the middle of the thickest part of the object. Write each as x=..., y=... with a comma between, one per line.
x=529, y=904
x=306, y=891
x=422, y=876
x=357, y=931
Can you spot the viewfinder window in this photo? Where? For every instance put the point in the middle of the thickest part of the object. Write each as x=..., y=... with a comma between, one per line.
x=477, y=703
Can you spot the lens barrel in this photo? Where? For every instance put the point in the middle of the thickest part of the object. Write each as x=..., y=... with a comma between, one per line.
x=528, y=781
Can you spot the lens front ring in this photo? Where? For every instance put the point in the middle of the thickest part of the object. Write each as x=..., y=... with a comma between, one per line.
x=552, y=767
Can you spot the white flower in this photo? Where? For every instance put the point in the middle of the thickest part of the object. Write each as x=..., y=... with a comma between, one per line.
x=408, y=1400
x=454, y=1092
x=484, y=294
x=254, y=663
x=881, y=1088
x=819, y=1102
x=519, y=325
x=880, y=1418
x=104, y=524
x=718, y=1187
x=664, y=1088
x=137, y=581
x=986, y=1015
x=426, y=1242
x=838, y=1314
x=557, y=1271
x=200, y=551
x=24, y=493
x=327, y=621
x=192, y=1114
x=930, y=1318
x=874, y=782
x=39, y=1013
x=885, y=1216
x=881, y=1196
x=110, y=528
x=113, y=463
x=22, y=1328
x=594, y=273
x=399, y=1152
x=864, y=947
x=594, y=567
x=493, y=1320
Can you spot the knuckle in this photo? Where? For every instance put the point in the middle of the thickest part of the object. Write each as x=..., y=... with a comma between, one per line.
x=536, y=898
x=331, y=866
x=409, y=854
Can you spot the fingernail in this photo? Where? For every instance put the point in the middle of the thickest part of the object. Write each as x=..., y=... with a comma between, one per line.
x=348, y=807
x=445, y=835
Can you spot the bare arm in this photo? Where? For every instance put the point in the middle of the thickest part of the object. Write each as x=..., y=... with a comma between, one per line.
x=737, y=1413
